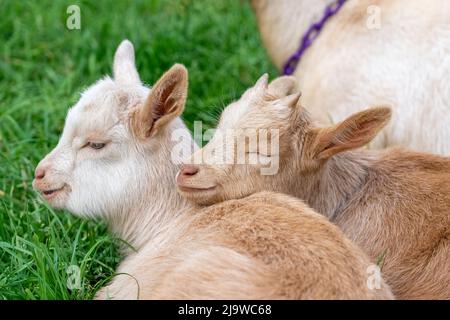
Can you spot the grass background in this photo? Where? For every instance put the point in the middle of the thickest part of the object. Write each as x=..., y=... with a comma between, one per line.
x=44, y=67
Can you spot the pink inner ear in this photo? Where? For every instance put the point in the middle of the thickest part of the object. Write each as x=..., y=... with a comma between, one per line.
x=165, y=102
x=366, y=125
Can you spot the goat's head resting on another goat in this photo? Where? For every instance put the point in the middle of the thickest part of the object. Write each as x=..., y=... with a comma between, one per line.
x=219, y=172
x=108, y=151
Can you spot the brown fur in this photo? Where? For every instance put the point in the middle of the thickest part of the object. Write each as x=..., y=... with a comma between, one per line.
x=402, y=211
x=266, y=246
x=394, y=204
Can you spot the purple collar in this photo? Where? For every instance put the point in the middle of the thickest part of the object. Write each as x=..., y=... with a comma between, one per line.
x=311, y=35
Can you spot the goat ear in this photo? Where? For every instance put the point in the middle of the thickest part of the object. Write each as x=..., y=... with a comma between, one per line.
x=258, y=91
x=124, y=68
x=281, y=86
x=164, y=103
x=262, y=83
x=354, y=132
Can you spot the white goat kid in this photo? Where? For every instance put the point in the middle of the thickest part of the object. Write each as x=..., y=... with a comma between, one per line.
x=102, y=168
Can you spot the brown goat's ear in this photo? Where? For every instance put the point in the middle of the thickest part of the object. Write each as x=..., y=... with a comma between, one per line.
x=354, y=132
x=258, y=91
x=164, y=103
x=281, y=86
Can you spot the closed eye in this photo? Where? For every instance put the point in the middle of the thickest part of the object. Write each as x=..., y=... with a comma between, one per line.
x=259, y=153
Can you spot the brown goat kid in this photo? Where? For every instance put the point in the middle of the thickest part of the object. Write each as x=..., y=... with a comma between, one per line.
x=265, y=246
x=395, y=203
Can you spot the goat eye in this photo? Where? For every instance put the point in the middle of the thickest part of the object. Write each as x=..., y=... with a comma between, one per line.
x=96, y=145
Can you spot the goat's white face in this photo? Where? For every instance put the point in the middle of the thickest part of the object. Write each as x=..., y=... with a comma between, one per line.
x=91, y=164
x=102, y=161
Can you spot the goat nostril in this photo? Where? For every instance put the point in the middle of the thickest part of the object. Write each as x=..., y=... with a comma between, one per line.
x=189, y=170
x=39, y=173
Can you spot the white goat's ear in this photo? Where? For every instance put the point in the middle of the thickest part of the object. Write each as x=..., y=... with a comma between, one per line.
x=164, y=103
x=124, y=68
x=262, y=83
x=354, y=132
x=258, y=91
x=282, y=86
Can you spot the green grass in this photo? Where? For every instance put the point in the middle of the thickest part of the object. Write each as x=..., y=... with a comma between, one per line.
x=43, y=68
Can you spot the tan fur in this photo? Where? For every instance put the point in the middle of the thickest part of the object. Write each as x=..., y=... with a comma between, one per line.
x=266, y=246
x=394, y=204
x=402, y=211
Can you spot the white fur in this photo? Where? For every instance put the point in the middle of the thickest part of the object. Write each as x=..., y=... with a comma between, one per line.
x=116, y=182
x=404, y=64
